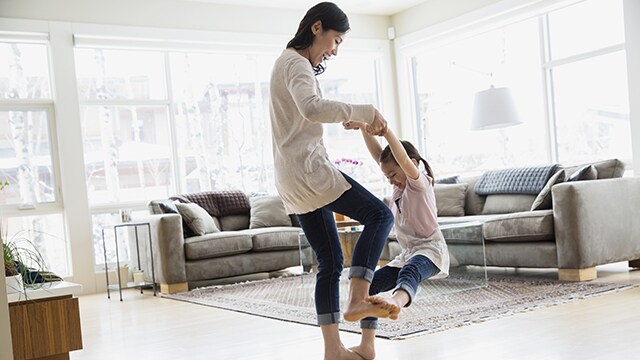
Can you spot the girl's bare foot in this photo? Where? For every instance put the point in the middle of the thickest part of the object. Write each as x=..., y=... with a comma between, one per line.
x=366, y=352
x=358, y=310
x=393, y=304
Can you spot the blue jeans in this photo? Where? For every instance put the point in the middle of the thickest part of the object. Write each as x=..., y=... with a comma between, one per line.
x=407, y=278
x=319, y=227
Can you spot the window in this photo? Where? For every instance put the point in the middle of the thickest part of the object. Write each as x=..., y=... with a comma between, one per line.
x=31, y=211
x=576, y=112
x=446, y=80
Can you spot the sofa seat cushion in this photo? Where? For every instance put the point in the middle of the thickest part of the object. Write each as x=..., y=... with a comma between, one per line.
x=521, y=226
x=444, y=220
x=274, y=238
x=218, y=244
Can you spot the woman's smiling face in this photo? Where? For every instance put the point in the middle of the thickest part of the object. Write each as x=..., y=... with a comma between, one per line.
x=325, y=44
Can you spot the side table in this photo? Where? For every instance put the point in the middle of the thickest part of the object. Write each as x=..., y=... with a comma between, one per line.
x=129, y=285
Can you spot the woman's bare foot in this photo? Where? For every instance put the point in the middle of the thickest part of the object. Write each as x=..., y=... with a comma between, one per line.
x=366, y=352
x=342, y=353
x=358, y=310
x=394, y=304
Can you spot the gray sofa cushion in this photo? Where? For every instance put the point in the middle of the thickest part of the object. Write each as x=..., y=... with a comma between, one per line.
x=450, y=199
x=274, y=238
x=234, y=222
x=522, y=226
x=607, y=169
x=212, y=245
x=543, y=200
x=267, y=211
x=197, y=218
x=507, y=203
x=473, y=202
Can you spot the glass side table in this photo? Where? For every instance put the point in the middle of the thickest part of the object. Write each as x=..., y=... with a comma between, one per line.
x=129, y=284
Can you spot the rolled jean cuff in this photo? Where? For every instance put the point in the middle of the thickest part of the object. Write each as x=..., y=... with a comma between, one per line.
x=411, y=291
x=361, y=272
x=330, y=318
x=369, y=323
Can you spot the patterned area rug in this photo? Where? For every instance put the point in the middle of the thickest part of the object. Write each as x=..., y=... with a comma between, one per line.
x=458, y=300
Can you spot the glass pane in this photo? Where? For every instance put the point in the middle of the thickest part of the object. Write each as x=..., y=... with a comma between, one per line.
x=24, y=71
x=594, y=24
x=44, y=233
x=25, y=158
x=120, y=74
x=592, y=121
x=447, y=79
x=352, y=78
x=222, y=121
x=127, y=153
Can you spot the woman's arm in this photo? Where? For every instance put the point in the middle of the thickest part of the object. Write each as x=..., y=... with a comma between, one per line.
x=400, y=154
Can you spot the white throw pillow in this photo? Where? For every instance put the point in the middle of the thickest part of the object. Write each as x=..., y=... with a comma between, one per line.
x=450, y=199
x=268, y=211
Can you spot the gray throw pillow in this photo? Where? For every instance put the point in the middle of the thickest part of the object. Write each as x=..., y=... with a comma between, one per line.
x=544, y=201
x=197, y=218
x=267, y=211
x=450, y=199
x=588, y=172
x=449, y=180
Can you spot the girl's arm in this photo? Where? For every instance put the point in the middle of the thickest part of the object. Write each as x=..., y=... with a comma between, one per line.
x=400, y=154
x=372, y=144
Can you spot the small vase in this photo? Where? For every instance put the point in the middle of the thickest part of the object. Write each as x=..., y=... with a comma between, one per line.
x=14, y=284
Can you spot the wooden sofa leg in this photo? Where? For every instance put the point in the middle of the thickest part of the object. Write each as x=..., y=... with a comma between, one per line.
x=174, y=288
x=585, y=274
x=634, y=263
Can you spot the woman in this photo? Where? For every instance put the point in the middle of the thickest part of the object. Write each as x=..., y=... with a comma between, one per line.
x=309, y=183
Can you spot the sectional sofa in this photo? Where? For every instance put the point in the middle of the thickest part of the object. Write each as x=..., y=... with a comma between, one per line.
x=569, y=225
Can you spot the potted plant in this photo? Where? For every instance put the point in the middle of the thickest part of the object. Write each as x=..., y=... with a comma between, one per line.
x=14, y=279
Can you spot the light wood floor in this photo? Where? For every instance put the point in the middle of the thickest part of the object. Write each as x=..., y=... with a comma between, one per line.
x=147, y=327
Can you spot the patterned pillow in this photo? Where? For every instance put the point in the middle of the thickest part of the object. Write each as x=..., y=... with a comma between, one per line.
x=526, y=180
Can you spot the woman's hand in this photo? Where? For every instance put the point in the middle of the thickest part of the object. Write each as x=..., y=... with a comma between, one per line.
x=377, y=127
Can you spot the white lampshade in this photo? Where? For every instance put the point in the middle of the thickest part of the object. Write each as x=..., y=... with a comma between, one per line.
x=494, y=108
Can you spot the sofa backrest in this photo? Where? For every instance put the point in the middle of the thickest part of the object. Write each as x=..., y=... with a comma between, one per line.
x=607, y=169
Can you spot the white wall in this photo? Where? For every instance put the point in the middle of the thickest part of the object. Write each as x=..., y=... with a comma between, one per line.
x=632, y=39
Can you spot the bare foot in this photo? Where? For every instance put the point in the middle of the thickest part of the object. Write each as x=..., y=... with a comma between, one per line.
x=343, y=353
x=393, y=305
x=361, y=309
x=366, y=352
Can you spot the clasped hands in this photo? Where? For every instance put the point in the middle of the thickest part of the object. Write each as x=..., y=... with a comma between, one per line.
x=377, y=127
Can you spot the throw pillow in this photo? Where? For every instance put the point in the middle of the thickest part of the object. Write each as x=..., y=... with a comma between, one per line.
x=588, y=172
x=169, y=207
x=197, y=218
x=267, y=211
x=543, y=200
x=450, y=199
x=449, y=180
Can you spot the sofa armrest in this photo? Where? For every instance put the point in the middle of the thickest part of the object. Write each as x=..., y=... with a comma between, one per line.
x=594, y=222
x=168, y=248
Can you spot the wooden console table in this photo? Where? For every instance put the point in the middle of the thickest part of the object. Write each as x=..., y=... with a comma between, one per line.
x=45, y=325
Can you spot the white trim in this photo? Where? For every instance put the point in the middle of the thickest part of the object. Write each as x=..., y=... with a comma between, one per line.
x=493, y=16
x=125, y=102
x=24, y=37
x=23, y=25
x=584, y=56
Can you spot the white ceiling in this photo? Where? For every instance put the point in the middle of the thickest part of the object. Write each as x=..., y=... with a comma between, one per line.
x=367, y=7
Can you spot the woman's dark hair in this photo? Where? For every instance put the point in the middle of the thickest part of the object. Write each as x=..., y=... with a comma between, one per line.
x=413, y=153
x=331, y=17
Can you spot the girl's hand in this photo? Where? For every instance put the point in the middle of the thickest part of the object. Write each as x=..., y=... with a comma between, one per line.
x=353, y=125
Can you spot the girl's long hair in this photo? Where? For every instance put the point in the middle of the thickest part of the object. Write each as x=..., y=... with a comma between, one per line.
x=331, y=17
x=413, y=153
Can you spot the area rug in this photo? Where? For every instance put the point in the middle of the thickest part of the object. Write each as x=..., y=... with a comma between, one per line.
x=459, y=300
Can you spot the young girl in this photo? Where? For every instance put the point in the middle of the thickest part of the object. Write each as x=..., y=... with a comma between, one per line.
x=424, y=251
